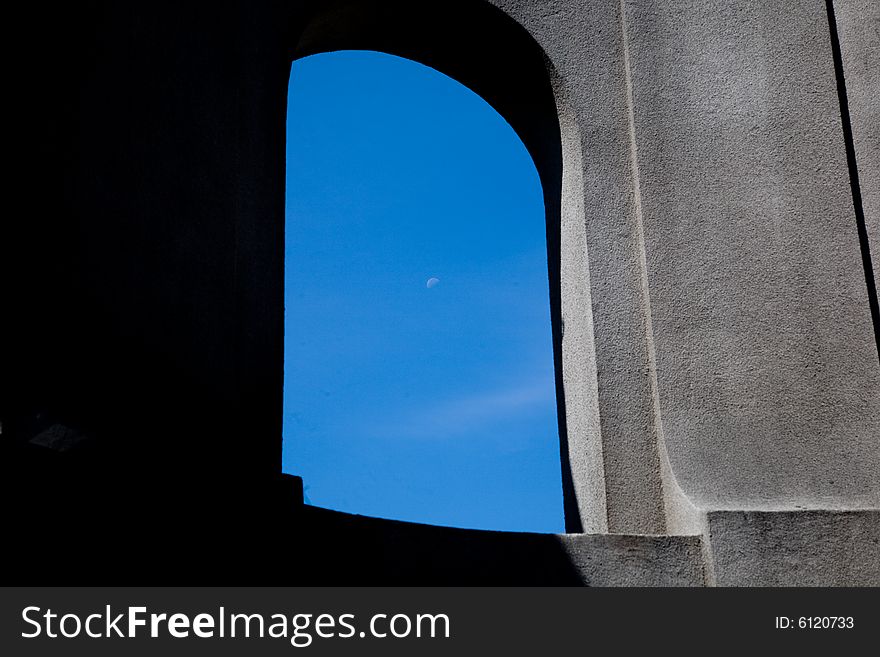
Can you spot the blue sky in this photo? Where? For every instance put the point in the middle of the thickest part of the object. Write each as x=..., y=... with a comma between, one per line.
x=430, y=403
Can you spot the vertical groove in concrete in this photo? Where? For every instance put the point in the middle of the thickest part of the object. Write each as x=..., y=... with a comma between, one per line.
x=679, y=513
x=640, y=238
x=585, y=42
x=588, y=47
x=855, y=185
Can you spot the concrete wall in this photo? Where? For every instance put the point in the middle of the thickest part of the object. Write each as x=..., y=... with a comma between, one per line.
x=769, y=383
x=733, y=335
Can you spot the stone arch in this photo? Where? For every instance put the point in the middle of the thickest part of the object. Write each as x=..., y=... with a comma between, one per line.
x=486, y=50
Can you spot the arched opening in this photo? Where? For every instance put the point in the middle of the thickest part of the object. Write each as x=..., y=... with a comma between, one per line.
x=419, y=377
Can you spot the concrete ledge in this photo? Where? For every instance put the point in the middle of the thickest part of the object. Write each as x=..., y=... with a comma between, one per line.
x=631, y=560
x=795, y=548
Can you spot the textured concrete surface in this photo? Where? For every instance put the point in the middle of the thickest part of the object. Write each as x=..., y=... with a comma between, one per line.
x=858, y=26
x=799, y=548
x=636, y=560
x=767, y=370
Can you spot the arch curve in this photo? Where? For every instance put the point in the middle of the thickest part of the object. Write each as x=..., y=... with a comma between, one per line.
x=511, y=72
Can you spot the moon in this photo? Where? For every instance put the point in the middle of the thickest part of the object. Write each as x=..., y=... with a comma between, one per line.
x=432, y=282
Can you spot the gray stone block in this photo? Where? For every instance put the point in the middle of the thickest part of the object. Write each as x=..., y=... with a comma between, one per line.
x=800, y=548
